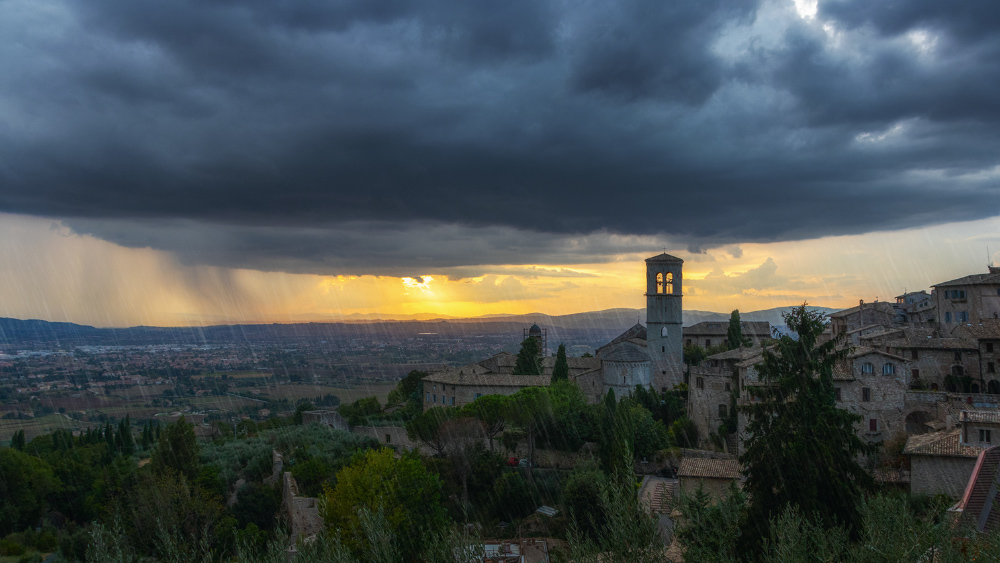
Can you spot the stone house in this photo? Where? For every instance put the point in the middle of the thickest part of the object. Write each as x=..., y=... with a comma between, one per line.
x=933, y=360
x=916, y=307
x=940, y=463
x=873, y=384
x=711, y=388
x=714, y=476
x=878, y=313
x=980, y=427
x=713, y=333
x=986, y=335
x=968, y=299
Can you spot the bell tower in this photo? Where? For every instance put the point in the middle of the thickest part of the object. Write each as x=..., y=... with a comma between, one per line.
x=664, y=318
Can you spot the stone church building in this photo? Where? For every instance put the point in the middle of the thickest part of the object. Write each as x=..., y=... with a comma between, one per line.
x=650, y=355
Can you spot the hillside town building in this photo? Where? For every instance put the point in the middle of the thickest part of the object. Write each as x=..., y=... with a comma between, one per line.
x=647, y=356
x=712, y=333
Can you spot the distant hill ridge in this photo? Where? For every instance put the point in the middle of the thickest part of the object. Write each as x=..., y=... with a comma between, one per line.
x=13, y=331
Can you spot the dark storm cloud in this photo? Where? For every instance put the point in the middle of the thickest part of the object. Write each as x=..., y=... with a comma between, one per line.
x=401, y=136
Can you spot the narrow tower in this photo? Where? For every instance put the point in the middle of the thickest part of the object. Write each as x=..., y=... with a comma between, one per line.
x=664, y=318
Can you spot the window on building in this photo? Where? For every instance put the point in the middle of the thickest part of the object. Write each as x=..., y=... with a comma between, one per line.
x=934, y=386
x=688, y=342
x=958, y=356
x=913, y=355
x=873, y=425
x=836, y=391
x=699, y=383
x=947, y=316
x=984, y=436
x=888, y=369
x=915, y=373
x=728, y=385
x=479, y=395
x=668, y=284
x=659, y=283
x=990, y=367
x=428, y=397
x=663, y=348
x=867, y=368
x=866, y=394
x=663, y=332
x=963, y=316
x=708, y=343
x=989, y=347
x=435, y=398
x=388, y=438
x=623, y=380
x=453, y=401
x=723, y=409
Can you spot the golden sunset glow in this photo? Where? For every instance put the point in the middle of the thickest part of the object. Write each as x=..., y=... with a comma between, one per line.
x=51, y=273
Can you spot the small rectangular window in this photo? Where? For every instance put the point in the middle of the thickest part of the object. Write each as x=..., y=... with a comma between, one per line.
x=866, y=394
x=428, y=397
x=873, y=425
x=728, y=386
x=700, y=383
x=722, y=411
x=913, y=354
x=915, y=373
x=947, y=317
x=708, y=343
x=453, y=401
x=836, y=391
x=435, y=398
x=984, y=436
x=990, y=367
x=479, y=395
x=989, y=347
x=663, y=348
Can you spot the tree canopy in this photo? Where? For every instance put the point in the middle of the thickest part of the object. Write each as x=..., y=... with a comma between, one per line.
x=528, y=358
x=735, y=331
x=560, y=371
x=402, y=489
x=802, y=450
x=177, y=450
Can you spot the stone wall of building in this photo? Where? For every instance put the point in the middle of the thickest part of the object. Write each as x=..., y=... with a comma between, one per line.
x=709, y=392
x=301, y=513
x=932, y=475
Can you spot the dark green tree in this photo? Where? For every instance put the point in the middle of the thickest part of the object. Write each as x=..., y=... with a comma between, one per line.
x=491, y=411
x=527, y=359
x=124, y=439
x=177, y=450
x=531, y=409
x=803, y=451
x=426, y=427
x=17, y=440
x=735, y=331
x=560, y=371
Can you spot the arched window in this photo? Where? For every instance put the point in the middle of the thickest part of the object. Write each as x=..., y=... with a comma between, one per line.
x=867, y=368
x=659, y=283
x=888, y=369
x=663, y=332
x=934, y=386
x=668, y=285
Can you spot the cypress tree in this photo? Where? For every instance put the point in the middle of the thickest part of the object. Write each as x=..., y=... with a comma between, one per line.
x=125, y=436
x=17, y=441
x=735, y=332
x=527, y=359
x=560, y=372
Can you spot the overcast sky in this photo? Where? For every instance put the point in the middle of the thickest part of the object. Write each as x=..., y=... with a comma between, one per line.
x=457, y=140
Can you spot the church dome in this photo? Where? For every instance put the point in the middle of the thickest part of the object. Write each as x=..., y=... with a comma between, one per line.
x=534, y=330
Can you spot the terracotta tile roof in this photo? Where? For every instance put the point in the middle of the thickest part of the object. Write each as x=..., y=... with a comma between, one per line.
x=475, y=374
x=882, y=306
x=739, y=354
x=891, y=475
x=947, y=444
x=986, y=329
x=859, y=351
x=981, y=416
x=710, y=468
x=979, y=505
x=625, y=353
x=636, y=332
x=752, y=329
x=974, y=279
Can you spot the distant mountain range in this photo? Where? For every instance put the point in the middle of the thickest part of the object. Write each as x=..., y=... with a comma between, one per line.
x=594, y=325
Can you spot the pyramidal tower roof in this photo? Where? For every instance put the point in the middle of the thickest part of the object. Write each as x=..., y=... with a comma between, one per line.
x=664, y=258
